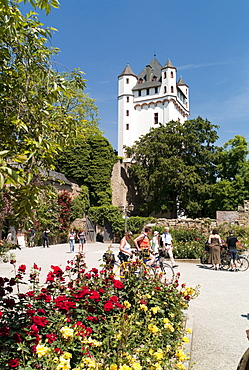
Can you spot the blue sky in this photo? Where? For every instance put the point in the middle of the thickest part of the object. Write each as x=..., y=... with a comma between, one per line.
x=208, y=42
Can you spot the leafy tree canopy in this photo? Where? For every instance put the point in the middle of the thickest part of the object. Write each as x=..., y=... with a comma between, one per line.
x=89, y=162
x=172, y=165
x=36, y=114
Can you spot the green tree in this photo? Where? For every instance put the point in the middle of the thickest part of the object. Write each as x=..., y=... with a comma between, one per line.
x=35, y=125
x=174, y=165
x=90, y=163
x=80, y=204
x=232, y=185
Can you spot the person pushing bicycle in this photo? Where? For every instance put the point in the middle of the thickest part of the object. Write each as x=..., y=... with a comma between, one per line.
x=142, y=243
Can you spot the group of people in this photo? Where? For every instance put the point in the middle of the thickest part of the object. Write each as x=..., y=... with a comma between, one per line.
x=72, y=236
x=215, y=243
x=148, y=248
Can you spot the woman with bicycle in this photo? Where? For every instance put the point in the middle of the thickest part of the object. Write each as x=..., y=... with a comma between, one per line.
x=125, y=247
x=142, y=243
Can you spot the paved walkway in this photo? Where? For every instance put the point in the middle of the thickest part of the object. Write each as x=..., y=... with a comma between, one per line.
x=219, y=316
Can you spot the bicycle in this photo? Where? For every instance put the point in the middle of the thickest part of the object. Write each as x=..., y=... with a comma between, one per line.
x=242, y=261
x=160, y=269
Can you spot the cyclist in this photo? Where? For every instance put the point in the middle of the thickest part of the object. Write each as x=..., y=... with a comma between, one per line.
x=125, y=247
x=142, y=243
x=231, y=243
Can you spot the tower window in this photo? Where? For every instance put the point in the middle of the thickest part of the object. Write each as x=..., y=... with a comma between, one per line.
x=165, y=75
x=156, y=90
x=139, y=93
x=172, y=89
x=148, y=91
x=140, y=81
x=127, y=80
x=127, y=126
x=171, y=74
x=154, y=78
x=165, y=89
x=127, y=99
x=127, y=113
x=155, y=118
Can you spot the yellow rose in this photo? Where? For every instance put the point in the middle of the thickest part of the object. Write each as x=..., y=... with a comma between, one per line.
x=136, y=366
x=114, y=367
x=155, y=309
x=159, y=354
x=143, y=307
x=185, y=339
x=188, y=330
x=153, y=328
x=180, y=366
x=67, y=332
x=127, y=304
x=41, y=350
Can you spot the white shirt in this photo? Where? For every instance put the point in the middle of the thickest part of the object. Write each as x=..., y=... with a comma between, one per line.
x=167, y=238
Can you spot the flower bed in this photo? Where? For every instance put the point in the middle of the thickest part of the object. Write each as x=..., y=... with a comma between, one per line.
x=91, y=320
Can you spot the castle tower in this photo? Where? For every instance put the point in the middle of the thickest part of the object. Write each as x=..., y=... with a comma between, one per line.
x=150, y=98
x=126, y=81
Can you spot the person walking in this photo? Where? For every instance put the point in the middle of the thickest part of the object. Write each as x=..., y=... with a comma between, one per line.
x=45, y=238
x=142, y=243
x=125, y=248
x=155, y=242
x=71, y=237
x=168, y=246
x=231, y=243
x=82, y=241
x=215, y=243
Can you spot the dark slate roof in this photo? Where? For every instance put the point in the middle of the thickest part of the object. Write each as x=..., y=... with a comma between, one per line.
x=181, y=82
x=169, y=64
x=156, y=68
x=127, y=72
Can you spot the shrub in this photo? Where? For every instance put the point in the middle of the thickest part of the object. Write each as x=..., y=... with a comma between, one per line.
x=84, y=320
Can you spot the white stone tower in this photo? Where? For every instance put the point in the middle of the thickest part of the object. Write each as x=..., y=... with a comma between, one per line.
x=148, y=99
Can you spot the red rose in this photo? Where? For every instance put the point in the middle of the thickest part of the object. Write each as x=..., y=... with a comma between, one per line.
x=51, y=337
x=94, y=295
x=4, y=331
x=22, y=268
x=9, y=302
x=113, y=298
x=108, y=306
x=14, y=362
x=40, y=320
x=117, y=284
x=17, y=338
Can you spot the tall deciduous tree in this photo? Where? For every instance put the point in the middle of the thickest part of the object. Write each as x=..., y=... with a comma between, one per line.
x=173, y=166
x=35, y=123
x=89, y=162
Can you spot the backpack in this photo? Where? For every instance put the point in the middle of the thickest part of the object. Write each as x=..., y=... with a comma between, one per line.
x=207, y=246
x=140, y=241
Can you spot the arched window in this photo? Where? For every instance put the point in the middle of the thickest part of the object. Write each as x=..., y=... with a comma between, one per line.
x=140, y=81
x=154, y=78
x=127, y=113
x=171, y=74
x=165, y=90
x=172, y=89
x=127, y=126
x=165, y=75
x=127, y=99
x=127, y=80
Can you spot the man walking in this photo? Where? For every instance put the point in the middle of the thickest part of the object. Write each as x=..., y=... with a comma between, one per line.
x=168, y=246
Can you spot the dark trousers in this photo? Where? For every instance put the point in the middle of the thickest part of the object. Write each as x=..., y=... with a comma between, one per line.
x=45, y=241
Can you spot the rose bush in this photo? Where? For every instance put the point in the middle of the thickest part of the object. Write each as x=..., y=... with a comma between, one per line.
x=91, y=320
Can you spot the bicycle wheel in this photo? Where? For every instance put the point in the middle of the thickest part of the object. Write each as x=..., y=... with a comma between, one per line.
x=242, y=263
x=168, y=273
x=225, y=262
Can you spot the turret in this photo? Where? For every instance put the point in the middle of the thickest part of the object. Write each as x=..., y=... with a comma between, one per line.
x=168, y=79
x=126, y=80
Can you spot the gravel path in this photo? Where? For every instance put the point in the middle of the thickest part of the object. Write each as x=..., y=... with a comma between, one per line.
x=219, y=316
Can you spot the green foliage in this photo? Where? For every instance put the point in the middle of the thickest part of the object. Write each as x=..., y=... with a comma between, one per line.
x=173, y=165
x=80, y=204
x=90, y=163
x=112, y=214
x=34, y=124
x=136, y=223
x=134, y=322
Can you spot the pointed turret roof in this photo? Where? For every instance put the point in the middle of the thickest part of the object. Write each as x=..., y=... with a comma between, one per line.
x=169, y=64
x=127, y=72
x=181, y=82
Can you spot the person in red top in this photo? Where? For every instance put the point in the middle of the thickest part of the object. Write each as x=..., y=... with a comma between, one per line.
x=142, y=243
